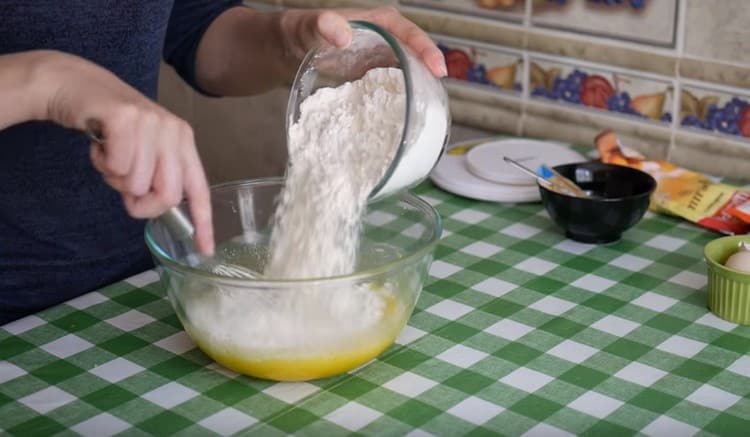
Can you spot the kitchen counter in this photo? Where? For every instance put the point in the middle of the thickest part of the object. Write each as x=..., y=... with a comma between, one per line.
x=517, y=332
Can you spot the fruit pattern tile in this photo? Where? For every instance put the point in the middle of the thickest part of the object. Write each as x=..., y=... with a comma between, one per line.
x=507, y=10
x=711, y=110
x=494, y=68
x=605, y=90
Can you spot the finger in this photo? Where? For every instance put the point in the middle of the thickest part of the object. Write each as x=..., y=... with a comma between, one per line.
x=333, y=28
x=166, y=193
x=121, y=141
x=140, y=178
x=415, y=38
x=199, y=200
x=117, y=183
x=148, y=206
x=167, y=188
x=98, y=159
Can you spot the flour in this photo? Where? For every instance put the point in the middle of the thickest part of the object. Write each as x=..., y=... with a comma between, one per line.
x=290, y=322
x=339, y=149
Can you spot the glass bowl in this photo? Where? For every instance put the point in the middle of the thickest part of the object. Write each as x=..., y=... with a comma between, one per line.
x=427, y=119
x=292, y=330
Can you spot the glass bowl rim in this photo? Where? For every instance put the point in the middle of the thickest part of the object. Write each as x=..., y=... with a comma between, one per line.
x=401, y=54
x=413, y=200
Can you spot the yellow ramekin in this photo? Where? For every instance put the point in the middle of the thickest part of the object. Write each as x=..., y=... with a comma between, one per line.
x=728, y=289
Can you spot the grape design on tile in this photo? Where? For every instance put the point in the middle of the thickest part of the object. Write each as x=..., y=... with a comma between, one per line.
x=708, y=113
x=596, y=91
x=463, y=64
x=635, y=4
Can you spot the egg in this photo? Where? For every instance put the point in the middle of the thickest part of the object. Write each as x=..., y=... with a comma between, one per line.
x=740, y=260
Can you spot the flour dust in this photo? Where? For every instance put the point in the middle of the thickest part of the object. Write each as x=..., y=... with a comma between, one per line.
x=339, y=150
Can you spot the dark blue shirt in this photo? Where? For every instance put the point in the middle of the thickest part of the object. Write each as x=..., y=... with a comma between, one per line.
x=63, y=231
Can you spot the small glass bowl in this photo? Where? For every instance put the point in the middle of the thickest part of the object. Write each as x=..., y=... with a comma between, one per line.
x=427, y=121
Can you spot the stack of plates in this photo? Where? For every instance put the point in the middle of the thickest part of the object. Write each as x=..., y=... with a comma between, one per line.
x=476, y=169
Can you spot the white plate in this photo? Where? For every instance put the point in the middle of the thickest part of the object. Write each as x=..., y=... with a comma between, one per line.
x=486, y=160
x=452, y=173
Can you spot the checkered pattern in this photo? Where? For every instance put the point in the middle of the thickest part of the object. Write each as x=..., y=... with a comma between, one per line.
x=518, y=331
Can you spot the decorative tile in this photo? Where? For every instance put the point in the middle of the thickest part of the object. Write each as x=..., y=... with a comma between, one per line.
x=617, y=92
x=492, y=68
x=723, y=112
x=716, y=30
x=507, y=10
x=651, y=22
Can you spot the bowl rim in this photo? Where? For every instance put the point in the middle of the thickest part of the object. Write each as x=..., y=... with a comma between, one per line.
x=411, y=199
x=400, y=52
x=647, y=193
x=721, y=267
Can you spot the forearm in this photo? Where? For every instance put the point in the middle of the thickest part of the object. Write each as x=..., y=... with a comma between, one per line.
x=22, y=90
x=243, y=52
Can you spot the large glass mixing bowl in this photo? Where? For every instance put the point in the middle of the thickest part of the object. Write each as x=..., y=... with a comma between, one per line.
x=427, y=116
x=282, y=329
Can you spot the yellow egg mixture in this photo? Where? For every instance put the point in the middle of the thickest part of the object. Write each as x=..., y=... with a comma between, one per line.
x=302, y=365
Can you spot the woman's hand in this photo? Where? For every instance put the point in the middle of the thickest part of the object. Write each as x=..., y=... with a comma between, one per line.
x=303, y=29
x=147, y=153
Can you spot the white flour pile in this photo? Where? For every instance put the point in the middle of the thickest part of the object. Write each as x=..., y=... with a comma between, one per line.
x=304, y=321
x=338, y=152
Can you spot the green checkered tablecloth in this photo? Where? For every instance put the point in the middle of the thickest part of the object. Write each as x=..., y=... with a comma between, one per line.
x=518, y=332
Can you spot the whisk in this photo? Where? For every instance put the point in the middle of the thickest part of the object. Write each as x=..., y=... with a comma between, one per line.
x=182, y=228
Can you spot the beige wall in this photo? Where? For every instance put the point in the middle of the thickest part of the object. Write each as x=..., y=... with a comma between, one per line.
x=238, y=138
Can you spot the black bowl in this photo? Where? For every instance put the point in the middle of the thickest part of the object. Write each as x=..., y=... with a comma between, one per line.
x=620, y=198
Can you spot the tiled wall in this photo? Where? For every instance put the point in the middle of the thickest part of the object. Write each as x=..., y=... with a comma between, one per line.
x=671, y=76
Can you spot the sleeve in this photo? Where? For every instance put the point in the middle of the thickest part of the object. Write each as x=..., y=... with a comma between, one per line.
x=188, y=22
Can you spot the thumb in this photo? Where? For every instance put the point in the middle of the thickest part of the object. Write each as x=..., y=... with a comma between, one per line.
x=333, y=28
